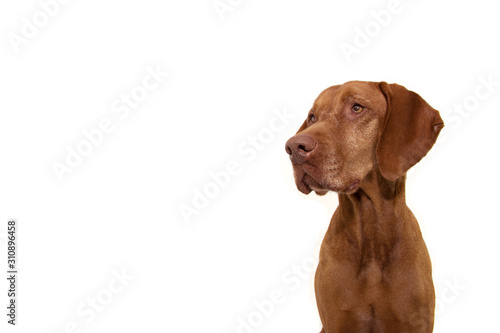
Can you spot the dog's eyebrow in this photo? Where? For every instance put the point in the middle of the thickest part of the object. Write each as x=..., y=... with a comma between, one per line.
x=359, y=99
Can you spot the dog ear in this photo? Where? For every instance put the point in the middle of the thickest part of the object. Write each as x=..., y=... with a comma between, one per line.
x=410, y=130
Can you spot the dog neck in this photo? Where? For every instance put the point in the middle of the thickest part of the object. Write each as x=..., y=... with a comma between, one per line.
x=385, y=196
x=371, y=219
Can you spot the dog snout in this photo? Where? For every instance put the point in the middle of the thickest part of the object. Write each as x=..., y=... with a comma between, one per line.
x=300, y=147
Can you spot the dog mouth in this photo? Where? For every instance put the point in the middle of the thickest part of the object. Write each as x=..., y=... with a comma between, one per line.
x=303, y=184
x=353, y=187
x=308, y=180
x=306, y=183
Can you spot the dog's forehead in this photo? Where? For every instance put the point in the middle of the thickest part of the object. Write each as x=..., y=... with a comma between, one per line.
x=361, y=88
x=362, y=91
x=325, y=99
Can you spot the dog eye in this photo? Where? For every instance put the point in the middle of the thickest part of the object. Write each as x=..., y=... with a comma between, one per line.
x=312, y=118
x=356, y=108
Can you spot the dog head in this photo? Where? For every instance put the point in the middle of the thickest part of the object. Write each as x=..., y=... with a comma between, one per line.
x=356, y=127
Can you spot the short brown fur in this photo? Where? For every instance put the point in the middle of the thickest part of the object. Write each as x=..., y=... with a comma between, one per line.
x=374, y=273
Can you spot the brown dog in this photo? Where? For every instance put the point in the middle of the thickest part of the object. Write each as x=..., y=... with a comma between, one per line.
x=359, y=139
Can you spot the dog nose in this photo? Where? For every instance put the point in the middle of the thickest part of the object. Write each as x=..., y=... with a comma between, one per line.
x=300, y=147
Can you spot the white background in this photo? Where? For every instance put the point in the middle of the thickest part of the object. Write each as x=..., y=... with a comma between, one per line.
x=119, y=209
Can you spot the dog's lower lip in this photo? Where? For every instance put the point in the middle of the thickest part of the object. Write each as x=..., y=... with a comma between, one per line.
x=352, y=186
x=303, y=186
